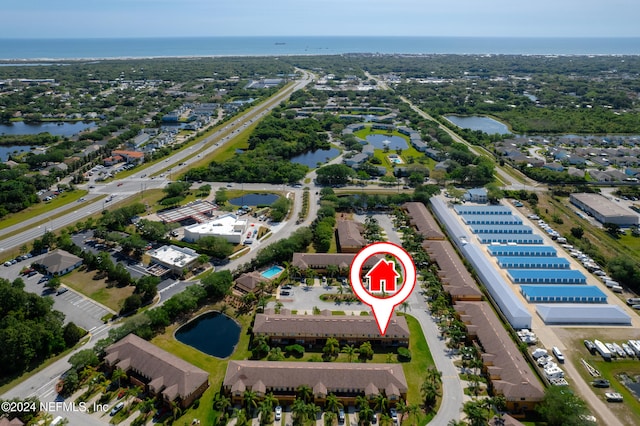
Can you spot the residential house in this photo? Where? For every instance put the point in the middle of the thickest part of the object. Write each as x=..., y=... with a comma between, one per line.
x=349, y=237
x=60, y=262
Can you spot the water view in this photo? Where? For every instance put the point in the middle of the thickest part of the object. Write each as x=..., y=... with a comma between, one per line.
x=485, y=124
x=213, y=333
x=312, y=158
x=254, y=200
x=57, y=128
x=7, y=150
x=393, y=142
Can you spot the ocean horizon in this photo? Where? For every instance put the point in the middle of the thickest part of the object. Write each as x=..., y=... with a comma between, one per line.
x=20, y=49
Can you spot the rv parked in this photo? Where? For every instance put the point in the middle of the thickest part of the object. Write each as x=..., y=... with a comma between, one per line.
x=558, y=354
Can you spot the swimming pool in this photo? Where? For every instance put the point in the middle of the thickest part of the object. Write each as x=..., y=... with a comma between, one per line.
x=272, y=272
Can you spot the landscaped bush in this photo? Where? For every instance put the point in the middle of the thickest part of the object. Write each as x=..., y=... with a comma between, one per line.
x=297, y=351
x=404, y=354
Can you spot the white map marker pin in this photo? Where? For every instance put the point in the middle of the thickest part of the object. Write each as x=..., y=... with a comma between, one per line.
x=382, y=280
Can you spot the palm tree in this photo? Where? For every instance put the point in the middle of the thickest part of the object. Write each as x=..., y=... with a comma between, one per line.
x=329, y=418
x=176, y=411
x=429, y=392
x=221, y=402
x=332, y=403
x=401, y=407
x=264, y=411
x=331, y=348
x=454, y=422
x=332, y=270
x=413, y=411
x=361, y=402
x=271, y=400
x=312, y=411
x=434, y=376
x=365, y=415
x=350, y=350
x=475, y=413
x=305, y=393
x=299, y=411
x=250, y=401
x=404, y=306
x=241, y=417
x=381, y=402
x=117, y=375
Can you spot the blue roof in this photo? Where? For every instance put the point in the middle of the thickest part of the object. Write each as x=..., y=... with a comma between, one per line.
x=562, y=290
x=579, y=313
x=553, y=275
x=501, y=229
x=491, y=219
x=536, y=262
x=521, y=250
x=510, y=238
x=483, y=210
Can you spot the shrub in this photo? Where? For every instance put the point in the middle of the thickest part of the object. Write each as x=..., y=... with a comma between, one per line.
x=404, y=354
x=296, y=351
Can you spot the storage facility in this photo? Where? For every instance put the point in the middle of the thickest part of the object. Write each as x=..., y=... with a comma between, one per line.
x=574, y=314
x=603, y=209
x=510, y=238
x=481, y=219
x=523, y=262
x=481, y=210
x=545, y=276
x=563, y=294
x=501, y=229
x=525, y=251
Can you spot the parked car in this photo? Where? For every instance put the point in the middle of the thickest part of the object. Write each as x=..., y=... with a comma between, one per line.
x=119, y=406
x=62, y=290
x=600, y=383
x=394, y=415
x=278, y=413
x=613, y=397
x=341, y=417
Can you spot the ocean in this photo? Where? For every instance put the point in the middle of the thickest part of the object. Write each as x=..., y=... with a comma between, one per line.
x=102, y=48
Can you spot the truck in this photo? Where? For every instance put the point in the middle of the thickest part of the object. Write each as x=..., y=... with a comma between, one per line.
x=602, y=350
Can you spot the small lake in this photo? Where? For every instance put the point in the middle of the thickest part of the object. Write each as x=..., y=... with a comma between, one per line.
x=312, y=158
x=485, y=124
x=393, y=142
x=254, y=200
x=213, y=333
x=7, y=150
x=56, y=128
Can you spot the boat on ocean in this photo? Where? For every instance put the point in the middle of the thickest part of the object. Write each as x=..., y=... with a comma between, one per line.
x=279, y=43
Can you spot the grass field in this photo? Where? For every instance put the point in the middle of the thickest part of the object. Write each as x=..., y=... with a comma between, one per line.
x=84, y=282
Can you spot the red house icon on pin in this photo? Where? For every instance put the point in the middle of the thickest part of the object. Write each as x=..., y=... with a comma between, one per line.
x=382, y=275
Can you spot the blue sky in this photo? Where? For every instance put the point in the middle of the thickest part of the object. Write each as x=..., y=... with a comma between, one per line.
x=171, y=18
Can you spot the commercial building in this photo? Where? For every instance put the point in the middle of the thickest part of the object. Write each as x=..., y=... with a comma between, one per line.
x=288, y=329
x=481, y=219
x=173, y=259
x=345, y=380
x=320, y=261
x=540, y=262
x=249, y=282
x=545, y=276
x=228, y=226
x=423, y=221
x=563, y=294
x=157, y=371
x=59, y=262
x=582, y=314
x=525, y=251
x=603, y=209
x=464, y=210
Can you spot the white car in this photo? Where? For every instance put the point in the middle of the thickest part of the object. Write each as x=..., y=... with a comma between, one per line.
x=613, y=397
x=278, y=413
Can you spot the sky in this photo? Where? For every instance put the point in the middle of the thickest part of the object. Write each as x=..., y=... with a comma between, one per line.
x=191, y=18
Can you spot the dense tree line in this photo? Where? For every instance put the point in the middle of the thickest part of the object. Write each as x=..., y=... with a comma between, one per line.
x=30, y=330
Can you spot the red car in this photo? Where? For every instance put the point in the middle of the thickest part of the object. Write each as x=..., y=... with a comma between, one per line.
x=120, y=184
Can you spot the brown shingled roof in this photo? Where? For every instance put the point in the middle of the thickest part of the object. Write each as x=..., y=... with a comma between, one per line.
x=456, y=279
x=424, y=221
x=340, y=326
x=322, y=260
x=509, y=373
x=249, y=281
x=349, y=234
x=333, y=376
x=167, y=373
x=59, y=260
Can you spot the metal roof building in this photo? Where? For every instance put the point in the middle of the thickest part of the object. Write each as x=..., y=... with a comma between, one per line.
x=528, y=251
x=563, y=294
x=568, y=314
x=510, y=238
x=510, y=305
x=483, y=210
x=545, y=276
x=480, y=219
x=524, y=262
x=501, y=229
x=603, y=209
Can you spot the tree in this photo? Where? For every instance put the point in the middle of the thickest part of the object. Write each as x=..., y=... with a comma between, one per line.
x=131, y=304
x=366, y=351
x=577, y=232
x=331, y=348
x=334, y=174
x=260, y=347
x=401, y=407
x=83, y=358
x=217, y=247
x=475, y=413
x=365, y=415
x=305, y=393
x=53, y=283
x=381, y=402
x=152, y=230
x=299, y=411
x=561, y=407
x=117, y=376
x=72, y=334
x=250, y=398
x=350, y=350
x=332, y=403
x=612, y=229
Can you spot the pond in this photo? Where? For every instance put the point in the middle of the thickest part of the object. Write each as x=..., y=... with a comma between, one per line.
x=485, y=124
x=393, y=142
x=254, y=200
x=56, y=128
x=312, y=158
x=6, y=150
x=213, y=333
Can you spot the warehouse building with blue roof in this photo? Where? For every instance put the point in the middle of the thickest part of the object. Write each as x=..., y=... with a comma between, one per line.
x=482, y=210
x=524, y=251
x=510, y=238
x=501, y=229
x=480, y=219
x=563, y=294
x=522, y=262
x=545, y=276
